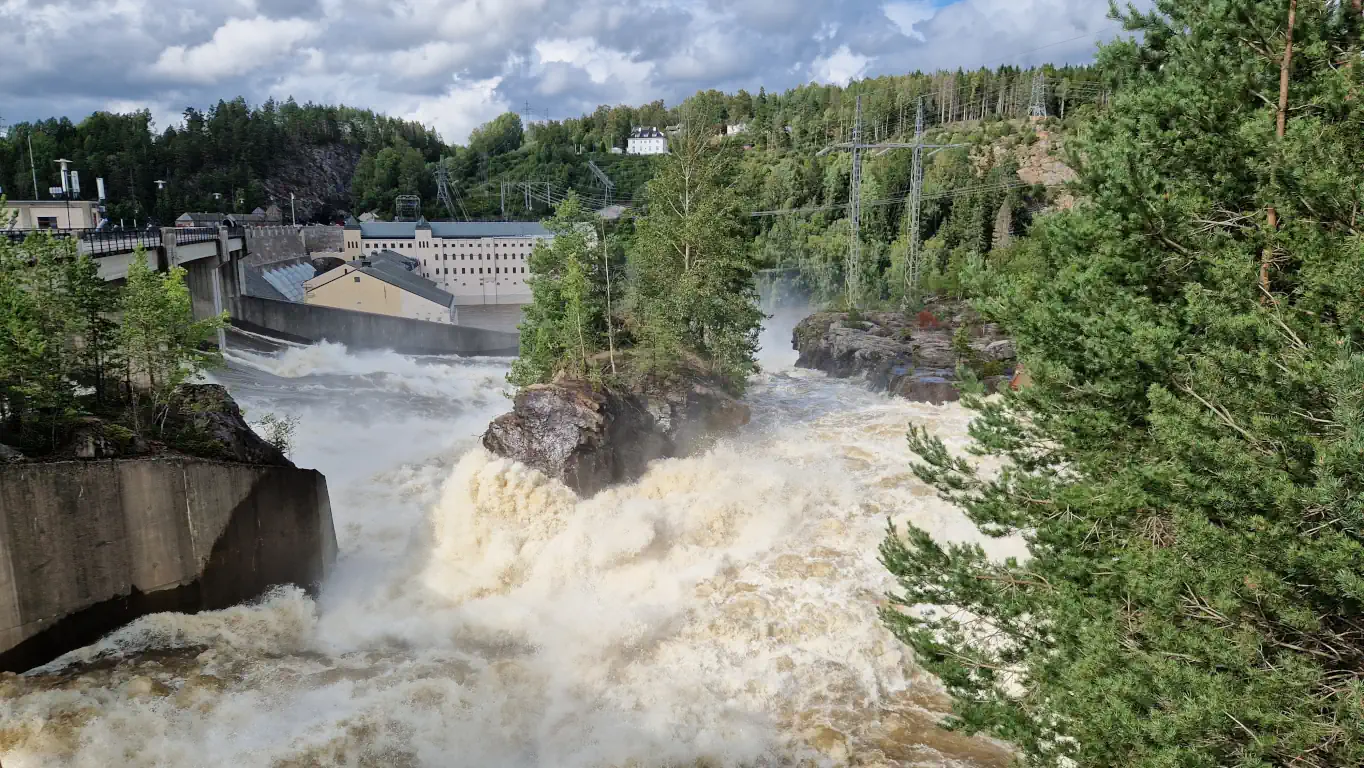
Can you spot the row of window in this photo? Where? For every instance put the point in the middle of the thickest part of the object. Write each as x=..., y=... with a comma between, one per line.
x=424, y=244
x=491, y=270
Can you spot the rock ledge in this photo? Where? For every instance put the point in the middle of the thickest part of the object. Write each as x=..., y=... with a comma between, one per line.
x=592, y=436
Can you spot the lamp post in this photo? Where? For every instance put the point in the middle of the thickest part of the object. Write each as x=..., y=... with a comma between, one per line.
x=66, y=188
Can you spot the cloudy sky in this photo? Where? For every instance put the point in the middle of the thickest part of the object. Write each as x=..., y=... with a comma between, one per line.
x=454, y=64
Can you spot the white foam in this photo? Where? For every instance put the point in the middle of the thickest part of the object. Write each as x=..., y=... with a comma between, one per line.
x=723, y=609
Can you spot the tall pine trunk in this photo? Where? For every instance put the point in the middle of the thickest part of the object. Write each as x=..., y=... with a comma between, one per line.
x=1281, y=122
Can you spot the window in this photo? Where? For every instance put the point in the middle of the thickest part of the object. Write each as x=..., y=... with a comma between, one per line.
x=357, y=278
x=496, y=270
x=47, y=222
x=480, y=270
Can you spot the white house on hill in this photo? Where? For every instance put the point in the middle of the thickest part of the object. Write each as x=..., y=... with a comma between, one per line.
x=646, y=141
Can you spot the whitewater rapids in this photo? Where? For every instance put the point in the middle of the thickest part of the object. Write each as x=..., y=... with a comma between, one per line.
x=720, y=612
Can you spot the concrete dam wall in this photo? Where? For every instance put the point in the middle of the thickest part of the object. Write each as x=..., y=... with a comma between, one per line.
x=86, y=547
x=311, y=323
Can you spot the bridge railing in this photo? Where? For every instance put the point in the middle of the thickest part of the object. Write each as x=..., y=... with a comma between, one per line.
x=96, y=242
x=187, y=235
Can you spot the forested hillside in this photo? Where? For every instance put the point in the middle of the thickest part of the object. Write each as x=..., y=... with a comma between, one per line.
x=342, y=160
x=251, y=156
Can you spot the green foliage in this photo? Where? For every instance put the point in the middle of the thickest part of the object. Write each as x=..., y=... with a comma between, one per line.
x=691, y=288
x=279, y=431
x=564, y=324
x=1186, y=464
x=231, y=148
x=163, y=344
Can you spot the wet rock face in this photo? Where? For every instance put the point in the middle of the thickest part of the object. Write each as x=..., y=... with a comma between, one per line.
x=591, y=437
x=208, y=414
x=909, y=356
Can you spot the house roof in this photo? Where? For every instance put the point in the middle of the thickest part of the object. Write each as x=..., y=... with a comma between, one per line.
x=208, y=217
x=646, y=132
x=392, y=269
x=352, y=222
x=398, y=230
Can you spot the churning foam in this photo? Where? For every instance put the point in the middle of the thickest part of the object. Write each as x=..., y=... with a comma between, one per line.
x=720, y=611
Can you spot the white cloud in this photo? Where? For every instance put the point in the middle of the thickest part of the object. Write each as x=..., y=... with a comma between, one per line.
x=456, y=63
x=839, y=67
x=463, y=107
x=239, y=46
x=907, y=13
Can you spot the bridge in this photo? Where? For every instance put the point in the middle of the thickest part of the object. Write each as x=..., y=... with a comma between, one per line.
x=216, y=264
x=113, y=250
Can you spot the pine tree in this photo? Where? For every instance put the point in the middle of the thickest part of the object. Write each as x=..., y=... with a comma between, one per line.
x=562, y=325
x=691, y=287
x=1186, y=465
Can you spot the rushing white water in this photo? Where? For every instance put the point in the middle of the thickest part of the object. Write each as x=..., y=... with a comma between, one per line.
x=721, y=611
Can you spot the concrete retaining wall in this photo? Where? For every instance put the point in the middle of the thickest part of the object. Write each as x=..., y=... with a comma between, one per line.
x=86, y=547
x=310, y=323
x=267, y=245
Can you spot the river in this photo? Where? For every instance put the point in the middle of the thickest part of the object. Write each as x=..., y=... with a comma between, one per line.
x=722, y=611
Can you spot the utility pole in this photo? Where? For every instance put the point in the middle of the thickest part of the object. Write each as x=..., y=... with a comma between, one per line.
x=31, y=167
x=916, y=191
x=855, y=214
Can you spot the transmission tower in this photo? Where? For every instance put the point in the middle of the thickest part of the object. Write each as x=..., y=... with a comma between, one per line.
x=914, y=263
x=856, y=146
x=407, y=207
x=443, y=192
x=609, y=197
x=1039, y=95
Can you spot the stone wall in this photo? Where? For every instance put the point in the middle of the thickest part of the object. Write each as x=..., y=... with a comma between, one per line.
x=88, y=546
x=311, y=323
x=267, y=245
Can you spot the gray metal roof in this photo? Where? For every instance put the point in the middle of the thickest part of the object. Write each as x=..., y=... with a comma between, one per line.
x=257, y=285
x=392, y=271
x=398, y=230
x=289, y=280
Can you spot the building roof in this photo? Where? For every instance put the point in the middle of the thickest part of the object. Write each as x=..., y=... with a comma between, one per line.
x=289, y=280
x=258, y=286
x=394, y=269
x=398, y=230
x=422, y=223
x=352, y=222
x=208, y=218
x=646, y=132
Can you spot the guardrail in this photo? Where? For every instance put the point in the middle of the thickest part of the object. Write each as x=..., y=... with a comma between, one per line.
x=96, y=242
x=187, y=235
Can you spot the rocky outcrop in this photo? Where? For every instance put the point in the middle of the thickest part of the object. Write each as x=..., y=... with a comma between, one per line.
x=9, y=455
x=207, y=422
x=591, y=436
x=909, y=356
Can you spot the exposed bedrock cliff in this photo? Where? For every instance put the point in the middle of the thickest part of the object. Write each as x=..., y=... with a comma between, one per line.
x=591, y=436
x=914, y=356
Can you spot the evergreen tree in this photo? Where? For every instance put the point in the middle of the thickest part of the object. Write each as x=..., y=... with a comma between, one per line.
x=691, y=285
x=1186, y=464
x=561, y=326
x=162, y=344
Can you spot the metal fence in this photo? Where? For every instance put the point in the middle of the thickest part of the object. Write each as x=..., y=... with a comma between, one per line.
x=95, y=242
x=187, y=235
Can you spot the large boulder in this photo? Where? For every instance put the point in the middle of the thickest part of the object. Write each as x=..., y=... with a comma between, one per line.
x=592, y=436
x=910, y=356
x=205, y=421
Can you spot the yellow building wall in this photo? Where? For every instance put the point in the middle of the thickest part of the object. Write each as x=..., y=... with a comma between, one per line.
x=353, y=290
x=346, y=288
